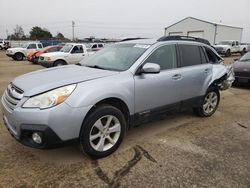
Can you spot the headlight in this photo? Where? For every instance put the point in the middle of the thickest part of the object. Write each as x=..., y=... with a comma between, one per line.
x=50, y=98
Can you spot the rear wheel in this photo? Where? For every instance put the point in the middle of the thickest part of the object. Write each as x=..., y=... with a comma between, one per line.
x=210, y=103
x=18, y=56
x=102, y=131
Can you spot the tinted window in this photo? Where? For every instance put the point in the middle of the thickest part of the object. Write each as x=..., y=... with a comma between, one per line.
x=100, y=45
x=32, y=46
x=94, y=46
x=40, y=46
x=203, y=56
x=164, y=56
x=190, y=55
x=77, y=49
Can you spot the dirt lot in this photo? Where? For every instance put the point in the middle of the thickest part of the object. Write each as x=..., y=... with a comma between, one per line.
x=179, y=151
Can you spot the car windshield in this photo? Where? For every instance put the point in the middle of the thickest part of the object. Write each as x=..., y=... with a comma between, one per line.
x=118, y=57
x=225, y=43
x=66, y=48
x=245, y=57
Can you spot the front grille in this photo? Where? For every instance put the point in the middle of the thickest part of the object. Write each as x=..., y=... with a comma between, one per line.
x=12, y=96
x=242, y=74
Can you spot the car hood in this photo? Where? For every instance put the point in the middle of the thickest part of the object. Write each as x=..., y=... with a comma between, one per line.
x=43, y=80
x=242, y=66
x=54, y=54
x=221, y=46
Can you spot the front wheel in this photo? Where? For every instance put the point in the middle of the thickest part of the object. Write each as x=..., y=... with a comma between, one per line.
x=102, y=132
x=210, y=103
x=228, y=53
x=18, y=56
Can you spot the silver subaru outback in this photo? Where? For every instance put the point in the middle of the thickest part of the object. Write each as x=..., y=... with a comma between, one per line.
x=126, y=84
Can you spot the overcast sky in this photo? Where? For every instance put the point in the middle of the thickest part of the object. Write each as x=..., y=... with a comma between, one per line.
x=119, y=18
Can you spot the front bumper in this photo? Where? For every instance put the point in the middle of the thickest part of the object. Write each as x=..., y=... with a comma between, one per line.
x=57, y=126
x=10, y=55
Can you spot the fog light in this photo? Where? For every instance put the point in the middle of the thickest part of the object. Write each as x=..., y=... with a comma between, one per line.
x=36, y=138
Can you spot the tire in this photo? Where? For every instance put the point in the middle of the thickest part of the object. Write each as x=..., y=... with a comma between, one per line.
x=59, y=63
x=228, y=53
x=209, y=107
x=243, y=51
x=18, y=56
x=103, y=143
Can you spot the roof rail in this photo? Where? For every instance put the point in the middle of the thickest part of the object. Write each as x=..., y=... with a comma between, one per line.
x=184, y=38
x=128, y=39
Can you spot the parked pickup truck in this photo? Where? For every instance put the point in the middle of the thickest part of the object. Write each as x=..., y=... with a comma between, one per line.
x=71, y=53
x=228, y=47
x=21, y=52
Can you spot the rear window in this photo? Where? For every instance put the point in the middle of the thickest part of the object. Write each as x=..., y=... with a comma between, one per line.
x=190, y=55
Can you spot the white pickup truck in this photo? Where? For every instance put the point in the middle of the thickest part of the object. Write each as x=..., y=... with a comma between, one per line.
x=71, y=53
x=228, y=47
x=20, y=52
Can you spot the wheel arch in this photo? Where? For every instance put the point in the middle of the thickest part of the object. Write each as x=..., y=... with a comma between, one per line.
x=61, y=59
x=115, y=102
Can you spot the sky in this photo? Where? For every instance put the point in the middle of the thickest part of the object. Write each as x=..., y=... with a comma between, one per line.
x=118, y=18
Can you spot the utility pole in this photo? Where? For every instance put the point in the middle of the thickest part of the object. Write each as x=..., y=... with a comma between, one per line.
x=7, y=33
x=73, y=30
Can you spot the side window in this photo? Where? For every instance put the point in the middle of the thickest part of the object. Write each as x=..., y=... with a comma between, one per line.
x=100, y=45
x=77, y=49
x=203, y=56
x=212, y=58
x=237, y=43
x=94, y=46
x=31, y=46
x=164, y=56
x=40, y=46
x=190, y=55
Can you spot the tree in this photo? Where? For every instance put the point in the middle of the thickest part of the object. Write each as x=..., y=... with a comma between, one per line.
x=60, y=36
x=39, y=33
x=18, y=33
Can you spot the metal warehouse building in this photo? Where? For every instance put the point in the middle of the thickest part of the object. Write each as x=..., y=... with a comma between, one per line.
x=213, y=32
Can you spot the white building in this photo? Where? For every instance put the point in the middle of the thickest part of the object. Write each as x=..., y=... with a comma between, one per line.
x=213, y=32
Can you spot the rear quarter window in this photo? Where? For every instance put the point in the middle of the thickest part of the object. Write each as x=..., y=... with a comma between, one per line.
x=190, y=55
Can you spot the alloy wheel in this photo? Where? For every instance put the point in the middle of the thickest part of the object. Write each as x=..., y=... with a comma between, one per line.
x=105, y=133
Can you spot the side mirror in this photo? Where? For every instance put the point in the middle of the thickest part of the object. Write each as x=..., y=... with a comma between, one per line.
x=150, y=68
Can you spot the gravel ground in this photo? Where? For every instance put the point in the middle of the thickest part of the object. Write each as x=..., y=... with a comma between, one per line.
x=179, y=151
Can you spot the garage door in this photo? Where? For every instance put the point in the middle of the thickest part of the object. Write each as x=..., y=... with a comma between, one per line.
x=197, y=34
x=175, y=33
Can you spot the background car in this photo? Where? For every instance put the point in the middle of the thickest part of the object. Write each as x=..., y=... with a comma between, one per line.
x=33, y=56
x=242, y=70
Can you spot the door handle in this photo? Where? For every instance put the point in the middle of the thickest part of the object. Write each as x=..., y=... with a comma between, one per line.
x=206, y=71
x=177, y=77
